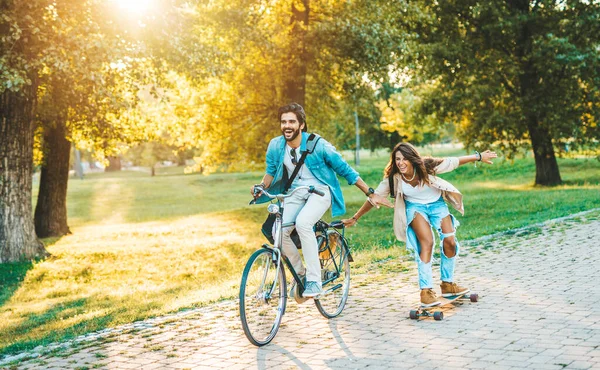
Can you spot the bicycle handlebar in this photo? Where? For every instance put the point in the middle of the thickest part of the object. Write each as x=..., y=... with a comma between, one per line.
x=318, y=192
x=311, y=189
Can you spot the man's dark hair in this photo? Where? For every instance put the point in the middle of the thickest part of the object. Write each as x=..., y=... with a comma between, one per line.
x=297, y=110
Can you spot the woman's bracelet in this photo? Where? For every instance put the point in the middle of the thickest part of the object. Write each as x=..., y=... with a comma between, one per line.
x=354, y=218
x=478, y=156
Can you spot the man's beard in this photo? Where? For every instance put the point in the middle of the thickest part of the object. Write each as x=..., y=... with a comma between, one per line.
x=294, y=134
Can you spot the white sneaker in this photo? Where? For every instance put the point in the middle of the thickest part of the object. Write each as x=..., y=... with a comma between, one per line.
x=312, y=289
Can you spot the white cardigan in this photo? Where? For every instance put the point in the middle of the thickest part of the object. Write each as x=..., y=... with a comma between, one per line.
x=449, y=192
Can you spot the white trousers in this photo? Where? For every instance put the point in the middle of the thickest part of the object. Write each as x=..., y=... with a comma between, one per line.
x=306, y=209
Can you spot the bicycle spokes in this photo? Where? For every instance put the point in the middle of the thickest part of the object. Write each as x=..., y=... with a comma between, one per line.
x=335, y=275
x=262, y=297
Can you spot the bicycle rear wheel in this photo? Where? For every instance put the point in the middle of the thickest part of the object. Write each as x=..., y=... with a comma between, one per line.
x=335, y=274
x=262, y=297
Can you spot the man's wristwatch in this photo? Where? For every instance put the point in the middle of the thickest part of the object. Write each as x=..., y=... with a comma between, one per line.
x=370, y=191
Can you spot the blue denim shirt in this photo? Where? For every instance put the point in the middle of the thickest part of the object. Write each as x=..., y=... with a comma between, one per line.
x=324, y=162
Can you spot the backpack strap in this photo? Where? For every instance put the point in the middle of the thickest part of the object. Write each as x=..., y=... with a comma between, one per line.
x=311, y=143
x=310, y=147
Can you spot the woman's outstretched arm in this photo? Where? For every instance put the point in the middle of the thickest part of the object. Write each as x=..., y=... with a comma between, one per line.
x=485, y=157
x=382, y=191
x=366, y=207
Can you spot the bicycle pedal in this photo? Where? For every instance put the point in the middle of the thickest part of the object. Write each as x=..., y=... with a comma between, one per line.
x=297, y=297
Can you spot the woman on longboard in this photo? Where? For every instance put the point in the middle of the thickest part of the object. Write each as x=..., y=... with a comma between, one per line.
x=419, y=206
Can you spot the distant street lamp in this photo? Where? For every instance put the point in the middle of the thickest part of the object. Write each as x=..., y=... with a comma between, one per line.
x=77, y=166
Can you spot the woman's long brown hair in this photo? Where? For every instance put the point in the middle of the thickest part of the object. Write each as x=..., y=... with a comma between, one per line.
x=423, y=166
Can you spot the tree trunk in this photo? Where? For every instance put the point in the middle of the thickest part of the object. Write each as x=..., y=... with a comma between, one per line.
x=546, y=166
x=114, y=164
x=18, y=240
x=51, y=208
x=295, y=88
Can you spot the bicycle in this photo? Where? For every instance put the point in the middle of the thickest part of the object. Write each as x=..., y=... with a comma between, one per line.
x=263, y=290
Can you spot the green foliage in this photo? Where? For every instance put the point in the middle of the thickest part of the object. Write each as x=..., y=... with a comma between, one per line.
x=332, y=59
x=86, y=68
x=148, y=154
x=503, y=70
x=24, y=32
x=401, y=113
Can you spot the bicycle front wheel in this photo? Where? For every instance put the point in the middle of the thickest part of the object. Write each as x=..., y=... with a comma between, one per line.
x=262, y=297
x=335, y=275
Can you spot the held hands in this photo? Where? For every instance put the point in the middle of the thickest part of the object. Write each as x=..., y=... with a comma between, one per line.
x=377, y=201
x=487, y=156
x=348, y=222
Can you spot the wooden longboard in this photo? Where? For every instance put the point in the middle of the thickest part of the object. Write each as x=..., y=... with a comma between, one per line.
x=437, y=312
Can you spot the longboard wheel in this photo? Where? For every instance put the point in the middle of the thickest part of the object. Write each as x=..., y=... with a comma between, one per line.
x=414, y=314
x=474, y=297
x=438, y=316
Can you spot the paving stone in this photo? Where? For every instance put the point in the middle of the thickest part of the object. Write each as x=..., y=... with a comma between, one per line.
x=535, y=312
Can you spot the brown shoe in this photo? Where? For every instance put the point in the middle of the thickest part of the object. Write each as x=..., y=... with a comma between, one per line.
x=452, y=289
x=428, y=298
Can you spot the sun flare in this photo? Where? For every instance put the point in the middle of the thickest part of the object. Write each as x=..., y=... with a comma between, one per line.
x=136, y=6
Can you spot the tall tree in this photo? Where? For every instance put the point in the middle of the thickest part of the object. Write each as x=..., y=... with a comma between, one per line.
x=512, y=72
x=324, y=54
x=296, y=68
x=78, y=92
x=22, y=31
x=50, y=217
x=38, y=49
x=17, y=235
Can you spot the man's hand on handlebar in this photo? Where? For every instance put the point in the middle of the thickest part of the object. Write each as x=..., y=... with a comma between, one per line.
x=256, y=190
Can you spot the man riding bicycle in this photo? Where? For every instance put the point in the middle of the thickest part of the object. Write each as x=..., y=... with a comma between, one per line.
x=319, y=170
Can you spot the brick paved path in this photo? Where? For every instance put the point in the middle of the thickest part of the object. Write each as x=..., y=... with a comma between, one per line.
x=539, y=309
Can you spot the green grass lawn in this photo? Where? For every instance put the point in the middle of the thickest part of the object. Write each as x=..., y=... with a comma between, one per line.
x=144, y=246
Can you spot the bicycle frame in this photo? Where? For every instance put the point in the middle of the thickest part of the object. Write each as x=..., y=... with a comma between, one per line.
x=336, y=261
x=277, y=248
x=278, y=244
x=264, y=282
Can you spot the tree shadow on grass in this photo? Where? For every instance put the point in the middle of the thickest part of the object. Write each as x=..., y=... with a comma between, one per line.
x=11, y=278
x=13, y=274
x=114, y=313
x=57, y=312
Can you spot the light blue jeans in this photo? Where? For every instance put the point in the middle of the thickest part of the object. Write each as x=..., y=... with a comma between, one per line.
x=433, y=213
